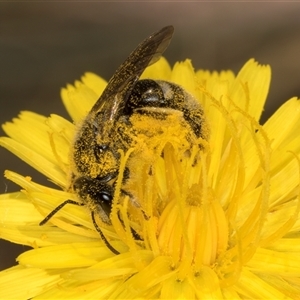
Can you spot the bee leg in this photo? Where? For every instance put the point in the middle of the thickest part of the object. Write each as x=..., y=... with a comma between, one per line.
x=57, y=209
x=126, y=176
x=135, y=235
x=98, y=196
x=135, y=203
x=107, y=244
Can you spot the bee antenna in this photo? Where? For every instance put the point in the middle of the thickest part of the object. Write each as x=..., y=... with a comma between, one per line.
x=58, y=208
x=107, y=244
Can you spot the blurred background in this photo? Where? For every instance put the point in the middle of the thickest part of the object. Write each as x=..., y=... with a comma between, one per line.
x=43, y=46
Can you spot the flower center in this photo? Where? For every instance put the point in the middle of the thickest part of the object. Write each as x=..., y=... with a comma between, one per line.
x=195, y=233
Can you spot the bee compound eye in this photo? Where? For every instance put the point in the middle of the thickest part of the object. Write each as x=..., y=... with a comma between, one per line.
x=104, y=200
x=106, y=197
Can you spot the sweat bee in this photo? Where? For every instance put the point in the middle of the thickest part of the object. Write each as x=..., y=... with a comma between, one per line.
x=113, y=124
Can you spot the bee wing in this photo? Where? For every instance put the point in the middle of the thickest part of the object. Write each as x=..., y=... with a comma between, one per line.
x=113, y=99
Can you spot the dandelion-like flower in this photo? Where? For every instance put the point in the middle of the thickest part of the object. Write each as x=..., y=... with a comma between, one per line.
x=221, y=223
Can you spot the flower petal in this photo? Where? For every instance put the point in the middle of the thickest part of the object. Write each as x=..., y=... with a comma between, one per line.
x=25, y=283
x=184, y=75
x=94, y=82
x=251, y=87
x=31, y=131
x=161, y=70
x=74, y=255
x=274, y=262
x=252, y=286
x=37, y=161
x=78, y=100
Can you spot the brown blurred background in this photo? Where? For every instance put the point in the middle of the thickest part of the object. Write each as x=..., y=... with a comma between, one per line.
x=43, y=46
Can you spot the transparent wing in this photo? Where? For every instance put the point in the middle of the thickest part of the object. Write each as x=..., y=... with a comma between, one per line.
x=113, y=99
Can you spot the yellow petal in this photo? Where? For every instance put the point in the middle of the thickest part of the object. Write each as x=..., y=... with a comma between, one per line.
x=173, y=288
x=101, y=289
x=284, y=123
x=78, y=100
x=286, y=245
x=37, y=161
x=15, y=209
x=184, y=75
x=31, y=131
x=275, y=262
x=161, y=70
x=25, y=283
x=41, y=236
x=252, y=287
x=73, y=255
x=251, y=87
x=94, y=82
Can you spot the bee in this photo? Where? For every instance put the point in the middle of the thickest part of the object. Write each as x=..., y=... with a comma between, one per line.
x=114, y=123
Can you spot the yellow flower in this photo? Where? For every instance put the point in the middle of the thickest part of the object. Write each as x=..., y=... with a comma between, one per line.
x=221, y=223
